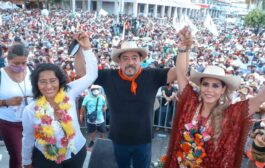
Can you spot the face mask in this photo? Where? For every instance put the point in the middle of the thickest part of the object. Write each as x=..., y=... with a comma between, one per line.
x=17, y=69
x=95, y=92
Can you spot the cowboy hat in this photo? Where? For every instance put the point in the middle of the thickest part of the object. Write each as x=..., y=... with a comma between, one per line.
x=244, y=90
x=232, y=82
x=125, y=47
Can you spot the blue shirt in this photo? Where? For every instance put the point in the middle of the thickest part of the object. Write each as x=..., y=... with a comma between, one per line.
x=90, y=102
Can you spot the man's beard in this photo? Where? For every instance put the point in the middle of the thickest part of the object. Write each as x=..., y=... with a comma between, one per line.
x=133, y=67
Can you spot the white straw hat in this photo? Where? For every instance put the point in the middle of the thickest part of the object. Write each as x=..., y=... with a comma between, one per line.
x=95, y=87
x=127, y=46
x=232, y=82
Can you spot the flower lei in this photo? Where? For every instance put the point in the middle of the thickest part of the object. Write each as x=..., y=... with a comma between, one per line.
x=192, y=152
x=44, y=131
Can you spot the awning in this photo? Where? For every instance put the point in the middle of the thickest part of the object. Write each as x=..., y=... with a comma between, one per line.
x=224, y=1
x=18, y=2
x=205, y=6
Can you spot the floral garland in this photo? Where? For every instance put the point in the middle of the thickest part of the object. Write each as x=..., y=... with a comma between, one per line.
x=192, y=152
x=44, y=131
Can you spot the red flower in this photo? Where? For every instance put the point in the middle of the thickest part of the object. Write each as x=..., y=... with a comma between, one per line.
x=52, y=140
x=65, y=100
x=66, y=118
x=61, y=112
x=60, y=159
x=64, y=141
x=36, y=108
x=186, y=147
x=179, y=154
x=163, y=159
x=36, y=127
x=46, y=120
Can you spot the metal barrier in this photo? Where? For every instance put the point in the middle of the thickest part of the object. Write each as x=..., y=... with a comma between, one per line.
x=162, y=116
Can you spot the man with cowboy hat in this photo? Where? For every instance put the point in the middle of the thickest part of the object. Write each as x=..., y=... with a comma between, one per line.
x=131, y=92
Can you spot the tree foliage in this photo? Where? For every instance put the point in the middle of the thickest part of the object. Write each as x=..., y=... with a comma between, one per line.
x=255, y=19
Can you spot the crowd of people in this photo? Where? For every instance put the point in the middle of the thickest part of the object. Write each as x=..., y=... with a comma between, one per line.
x=156, y=46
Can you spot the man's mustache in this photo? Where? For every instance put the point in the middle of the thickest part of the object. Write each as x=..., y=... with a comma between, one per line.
x=130, y=66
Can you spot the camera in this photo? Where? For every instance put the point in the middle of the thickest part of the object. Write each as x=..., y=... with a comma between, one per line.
x=73, y=48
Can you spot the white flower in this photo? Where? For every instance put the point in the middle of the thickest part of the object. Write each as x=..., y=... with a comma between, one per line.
x=155, y=164
x=49, y=110
x=71, y=146
x=179, y=159
x=262, y=124
x=194, y=122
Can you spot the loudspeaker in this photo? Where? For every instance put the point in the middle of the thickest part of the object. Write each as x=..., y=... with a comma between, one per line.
x=102, y=155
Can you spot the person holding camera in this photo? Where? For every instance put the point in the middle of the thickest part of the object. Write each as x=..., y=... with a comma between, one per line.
x=256, y=153
x=94, y=103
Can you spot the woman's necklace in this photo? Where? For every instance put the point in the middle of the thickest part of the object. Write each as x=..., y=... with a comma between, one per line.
x=196, y=117
x=191, y=151
x=24, y=92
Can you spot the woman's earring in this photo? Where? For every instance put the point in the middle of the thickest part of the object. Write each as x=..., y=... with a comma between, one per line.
x=222, y=99
x=200, y=98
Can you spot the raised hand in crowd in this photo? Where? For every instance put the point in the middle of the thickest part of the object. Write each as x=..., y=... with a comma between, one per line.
x=185, y=38
x=83, y=40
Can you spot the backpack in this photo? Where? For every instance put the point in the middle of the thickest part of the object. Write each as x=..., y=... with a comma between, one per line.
x=92, y=117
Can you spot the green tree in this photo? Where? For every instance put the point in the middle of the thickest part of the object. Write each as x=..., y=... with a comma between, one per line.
x=255, y=19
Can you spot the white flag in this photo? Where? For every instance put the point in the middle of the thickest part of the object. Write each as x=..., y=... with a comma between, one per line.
x=1, y=22
x=209, y=24
x=184, y=21
x=123, y=31
x=102, y=12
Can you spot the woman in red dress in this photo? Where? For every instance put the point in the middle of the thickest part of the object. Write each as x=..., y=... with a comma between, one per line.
x=68, y=69
x=208, y=131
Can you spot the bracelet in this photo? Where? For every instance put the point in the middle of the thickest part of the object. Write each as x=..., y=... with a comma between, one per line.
x=180, y=50
x=3, y=103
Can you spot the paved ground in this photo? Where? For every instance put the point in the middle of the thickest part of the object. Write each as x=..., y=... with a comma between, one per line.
x=159, y=147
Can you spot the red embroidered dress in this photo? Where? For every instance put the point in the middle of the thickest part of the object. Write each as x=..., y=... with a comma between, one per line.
x=235, y=127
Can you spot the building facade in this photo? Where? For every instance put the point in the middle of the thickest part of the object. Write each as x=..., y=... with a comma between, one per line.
x=150, y=8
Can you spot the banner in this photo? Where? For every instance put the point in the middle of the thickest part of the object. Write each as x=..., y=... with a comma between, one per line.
x=44, y=12
x=209, y=24
x=184, y=21
x=102, y=12
x=1, y=21
x=8, y=5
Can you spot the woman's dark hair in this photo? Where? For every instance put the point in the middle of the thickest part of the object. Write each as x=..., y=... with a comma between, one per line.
x=17, y=49
x=70, y=63
x=34, y=77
